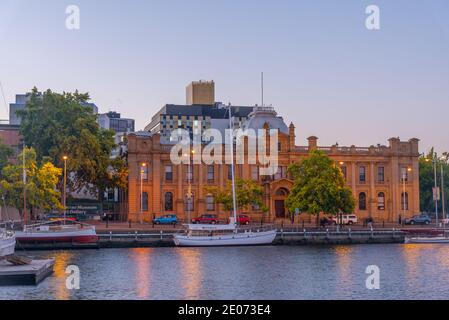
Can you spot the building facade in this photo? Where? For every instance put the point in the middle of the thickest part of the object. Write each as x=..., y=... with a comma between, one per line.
x=384, y=179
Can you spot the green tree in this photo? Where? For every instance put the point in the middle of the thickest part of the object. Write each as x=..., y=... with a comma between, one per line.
x=61, y=124
x=6, y=152
x=427, y=180
x=41, y=182
x=319, y=187
x=247, y=192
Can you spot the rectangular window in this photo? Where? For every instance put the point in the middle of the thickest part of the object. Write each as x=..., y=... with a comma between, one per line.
x=168, y=173
x=381, y=174
x=210, y=203
x=210, y=173
x=362, y=174
x=144, y=172
x=229, y=172
x=255, y=173
x=344, y=171
x=144, y=201
x=189, y=173
x=404, y=174
x=189, y=203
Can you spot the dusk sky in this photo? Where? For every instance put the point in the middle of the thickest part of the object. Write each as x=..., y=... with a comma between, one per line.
x=324, y=70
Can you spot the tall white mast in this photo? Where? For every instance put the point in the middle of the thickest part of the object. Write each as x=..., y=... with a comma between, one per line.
x=234, y=200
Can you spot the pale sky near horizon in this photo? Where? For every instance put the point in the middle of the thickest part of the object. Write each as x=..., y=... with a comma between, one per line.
x=323, y=69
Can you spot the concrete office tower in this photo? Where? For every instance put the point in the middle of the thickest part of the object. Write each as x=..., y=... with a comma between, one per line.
x=200, y=93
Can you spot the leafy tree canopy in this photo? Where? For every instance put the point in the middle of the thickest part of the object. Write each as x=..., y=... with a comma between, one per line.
x=61, y=124
x=319, y=187
x=41, y=181
x=427, y=179
x=247, y=192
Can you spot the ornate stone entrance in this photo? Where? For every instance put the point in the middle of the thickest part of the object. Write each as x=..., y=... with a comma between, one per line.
x=280, y=211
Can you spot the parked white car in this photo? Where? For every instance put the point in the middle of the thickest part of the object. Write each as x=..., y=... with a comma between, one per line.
x=347, y=219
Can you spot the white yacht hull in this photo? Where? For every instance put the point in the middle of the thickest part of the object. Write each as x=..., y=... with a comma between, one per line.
x=428, y=240
x=233, y=239
x=7, y=246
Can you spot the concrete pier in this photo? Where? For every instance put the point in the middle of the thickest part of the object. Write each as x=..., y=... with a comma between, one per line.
x=324, y=237
x=30, y=274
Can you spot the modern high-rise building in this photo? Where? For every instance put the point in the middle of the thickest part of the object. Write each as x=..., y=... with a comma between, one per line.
x=113, y=120
x=199, y=113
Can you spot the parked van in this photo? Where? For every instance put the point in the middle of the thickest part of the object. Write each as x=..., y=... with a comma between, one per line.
x=348, y=219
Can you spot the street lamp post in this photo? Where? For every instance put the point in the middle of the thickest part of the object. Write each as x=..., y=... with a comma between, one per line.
x=189, y=192
x=442, y=191
x=142, y=171
x=436, y=193
x=65, y=187
x=404, y=198
x=435, y=189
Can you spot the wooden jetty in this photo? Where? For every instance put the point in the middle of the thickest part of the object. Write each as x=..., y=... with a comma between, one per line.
x=21, y=271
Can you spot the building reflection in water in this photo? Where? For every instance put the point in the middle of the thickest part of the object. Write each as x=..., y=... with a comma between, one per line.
x=412, y=254
x=191, y=271
x=141, y=260
x=344, y=260
x=62, y=260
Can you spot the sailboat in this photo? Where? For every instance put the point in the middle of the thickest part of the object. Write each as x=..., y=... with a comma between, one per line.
x=203, y=235
x=7, y=242
x=7, y=238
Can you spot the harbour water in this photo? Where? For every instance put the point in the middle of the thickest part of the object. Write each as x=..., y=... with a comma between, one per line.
x=276, y=272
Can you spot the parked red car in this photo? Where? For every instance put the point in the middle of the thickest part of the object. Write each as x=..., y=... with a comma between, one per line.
x=206, y=219
x=243, y=219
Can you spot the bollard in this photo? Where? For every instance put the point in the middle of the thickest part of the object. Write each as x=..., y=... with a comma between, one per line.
x=304, y=230
x=110, y=235
x=161, y=234
x=135, y=235
x=349, y=233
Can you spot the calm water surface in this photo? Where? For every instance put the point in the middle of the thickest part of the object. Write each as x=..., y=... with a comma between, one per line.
x=338, y=272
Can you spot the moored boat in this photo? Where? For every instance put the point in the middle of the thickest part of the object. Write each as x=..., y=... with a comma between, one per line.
x=427, y=240
x=56, y=233
x=7, y=243
x=226, y=235
x=205, y=235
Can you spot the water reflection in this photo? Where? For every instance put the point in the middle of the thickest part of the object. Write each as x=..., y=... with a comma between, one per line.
x=140, y=258
x=192, y=272
x=62, y=260
x=344, y=261
x=407, y=272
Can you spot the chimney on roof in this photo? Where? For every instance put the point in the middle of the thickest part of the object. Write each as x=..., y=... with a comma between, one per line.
x=200, y=93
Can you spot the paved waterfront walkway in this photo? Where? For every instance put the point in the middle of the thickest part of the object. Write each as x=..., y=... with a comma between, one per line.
x=125, y=227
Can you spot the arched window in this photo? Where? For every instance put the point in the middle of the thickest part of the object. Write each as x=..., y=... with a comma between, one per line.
x=381, y=201
x=210, y=202
x=362, y=201
x=189, y=203
x=168, y=201
x=404, y=201
x=282, y=192
x=144, y=201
